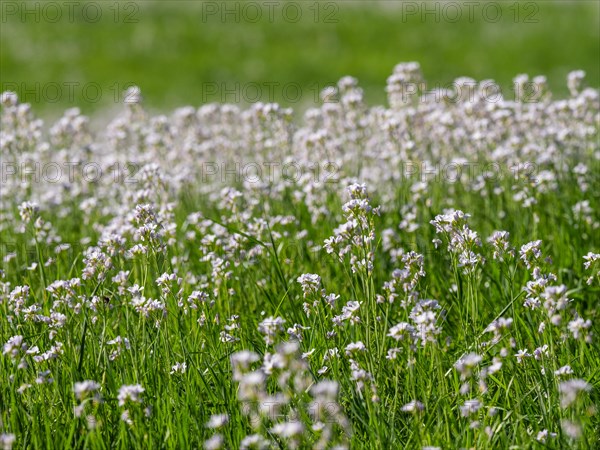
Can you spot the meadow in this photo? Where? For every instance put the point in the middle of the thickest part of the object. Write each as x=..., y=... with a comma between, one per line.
x=408, y=256
x=422, y=275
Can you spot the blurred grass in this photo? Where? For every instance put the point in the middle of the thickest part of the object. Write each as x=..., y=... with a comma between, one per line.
x=180, y=54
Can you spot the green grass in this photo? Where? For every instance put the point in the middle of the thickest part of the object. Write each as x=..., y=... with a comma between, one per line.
x=177, y=53
x=524, y=400
x=271, y=235
x=42, y=417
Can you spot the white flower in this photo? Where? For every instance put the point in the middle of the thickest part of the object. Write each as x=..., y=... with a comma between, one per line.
x=578, y=325
x=466, y=364
x=309, y=353
x=9, y=98
x=288, y=429
x=132, y=393
x=120, y=343
x=83, y=388
x=217, y=421
x=521, y=355
x=413, y=406
x=325, y=388
x=530, y=253
x=499, y=325
x=543, y=435
x=540, y=351
x=564, y=370
x=28, y=211
x=14, y=345
x=470, y=407
x=570, y=389
x=270, y=327
x=23, y=388
x=179, y=368
x=323, y=370
x=251, y=385
x=311, y=284
x=7, y=440
x=254, y=441
x=571, y=429
x=241, y=362
x=401, y=331
x=44, y=377
x=126, y=417
x=592, y=263
x=355, y=347
x=244, y=358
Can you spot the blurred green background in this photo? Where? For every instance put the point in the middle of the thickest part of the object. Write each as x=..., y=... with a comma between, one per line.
x=85, y=53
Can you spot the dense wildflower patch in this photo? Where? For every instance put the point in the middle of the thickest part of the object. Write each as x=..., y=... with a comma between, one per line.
x=418, y=275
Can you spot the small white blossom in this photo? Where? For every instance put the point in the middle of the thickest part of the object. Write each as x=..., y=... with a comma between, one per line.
x=130, y=393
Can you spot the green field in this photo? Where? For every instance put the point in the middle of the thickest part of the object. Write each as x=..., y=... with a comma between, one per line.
x=385, y=267
x=188, y=52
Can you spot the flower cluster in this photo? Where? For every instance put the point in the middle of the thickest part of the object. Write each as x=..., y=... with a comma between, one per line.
x=236, y=255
